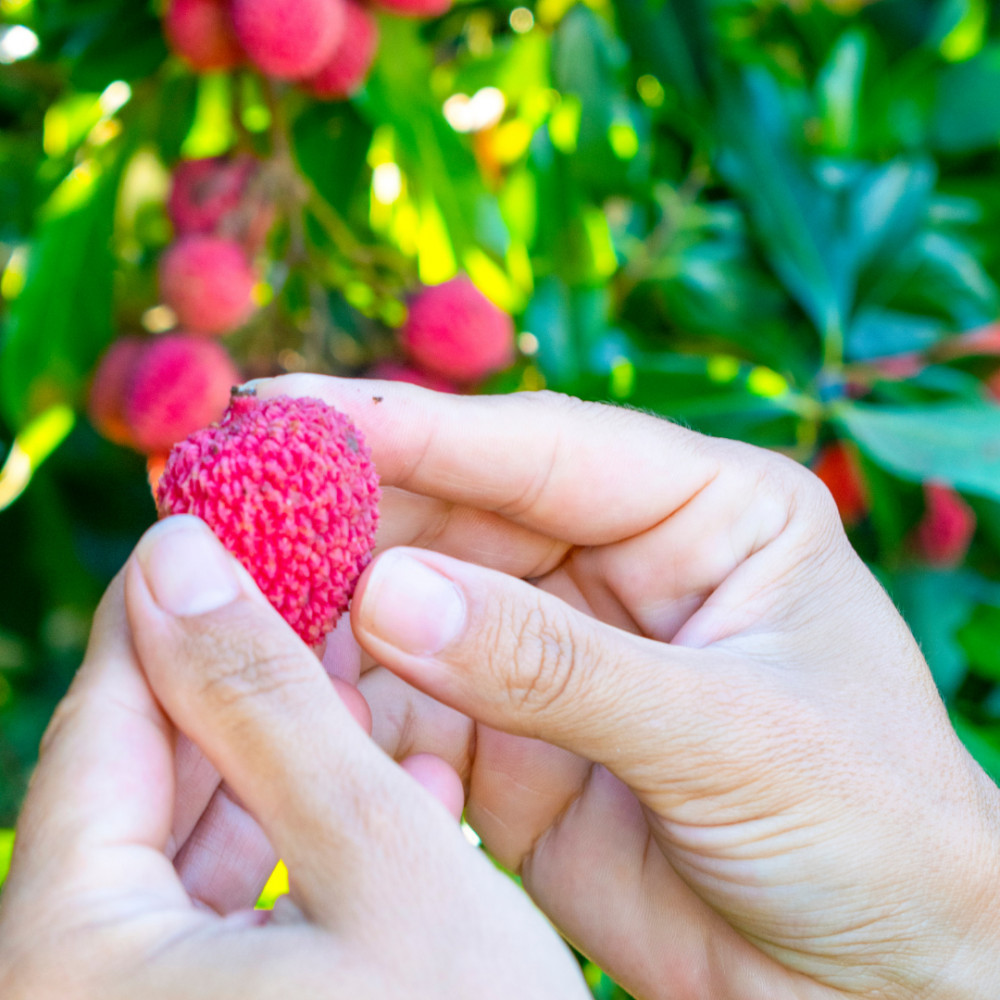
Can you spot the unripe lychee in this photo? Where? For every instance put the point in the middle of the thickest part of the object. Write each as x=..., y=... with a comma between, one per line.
x=346, y=70
x=178, y=384
x=208, y=282
x=838, y=468
x=289, y=39
x=201, y=32
x=394, y=371
x=289, y=487
x=943, y=537
x=414, y=8
x=109, y=389
x=454, y=331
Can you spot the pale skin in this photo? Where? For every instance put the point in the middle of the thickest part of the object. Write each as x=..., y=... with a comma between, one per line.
x=701, y=733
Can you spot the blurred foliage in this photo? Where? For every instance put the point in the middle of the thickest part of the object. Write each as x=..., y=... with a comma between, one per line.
x=772, y=221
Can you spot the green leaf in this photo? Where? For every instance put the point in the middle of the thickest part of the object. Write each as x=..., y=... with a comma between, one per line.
x=980, y=638
x=967, y=113
x=62, y=319
x=6, y=850
x=959, y=445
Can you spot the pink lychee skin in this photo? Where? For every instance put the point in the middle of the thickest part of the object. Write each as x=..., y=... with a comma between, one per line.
x=205, y=193
x=179, y=383
x=289, y=487
x=414, y=8
x=289, y=39
x=208, y=282
x=454, y=331
x=201, y=32
x=348, y=67
x=109, y=389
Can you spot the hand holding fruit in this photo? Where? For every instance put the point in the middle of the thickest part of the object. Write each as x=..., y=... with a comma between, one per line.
x=135, y=871
x=701, y=733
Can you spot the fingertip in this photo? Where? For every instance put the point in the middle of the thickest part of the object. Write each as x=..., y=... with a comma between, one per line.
x=439, y=779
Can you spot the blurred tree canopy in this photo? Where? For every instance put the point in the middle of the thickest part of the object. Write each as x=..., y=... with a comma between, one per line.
x=773, y=221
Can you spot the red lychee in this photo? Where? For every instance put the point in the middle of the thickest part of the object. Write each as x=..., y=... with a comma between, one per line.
x=289, y=487
x=454, y=331
x=109, y=389
x=394, y=371
x=838, y=467
x=943, y=537
x=208, y=282
x=289, y=39
x=201, y=32
x=346, y=70
x=179, y=383
x=414, y=8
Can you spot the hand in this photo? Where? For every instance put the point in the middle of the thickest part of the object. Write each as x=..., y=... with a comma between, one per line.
x=701, y=732
x=387, y=899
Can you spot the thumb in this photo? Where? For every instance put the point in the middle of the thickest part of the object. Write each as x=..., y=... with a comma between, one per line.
x=521, y=660
x=241, y=685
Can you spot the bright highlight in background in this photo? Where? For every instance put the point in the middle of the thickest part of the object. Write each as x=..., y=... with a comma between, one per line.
x=522, y=20
x=387, y=183
x=473, y=114
x=116, y=95
x=17, y=42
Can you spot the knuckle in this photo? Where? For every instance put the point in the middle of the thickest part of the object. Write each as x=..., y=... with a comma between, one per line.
x=547, y=660
x=236, y=665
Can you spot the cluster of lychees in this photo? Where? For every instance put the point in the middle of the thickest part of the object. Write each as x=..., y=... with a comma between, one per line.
x=327, y=47
x=149, y=392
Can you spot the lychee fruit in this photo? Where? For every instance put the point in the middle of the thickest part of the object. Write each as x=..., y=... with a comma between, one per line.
x=179, y=383
x=943, y=537
x=109, y=389
x=837, y=466
x=201, y=32
x=289, y=39
x=414, y=8
x=346, y=70
x=208, y=282
x=394, y=371
x=454, y=331
x=289, y=487
x=204, y=194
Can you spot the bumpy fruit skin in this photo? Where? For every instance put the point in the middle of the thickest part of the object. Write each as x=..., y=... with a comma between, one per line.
x=414, y=8
x=347, y=69
x=204, y=194
x=454, y=331
x=179, y=384
x=208, y=282
x=289, y=39
x=201, y=32
x=109, y=389
x=394, y=371
x=943, y=537
x=838, y=468
x=289, y=487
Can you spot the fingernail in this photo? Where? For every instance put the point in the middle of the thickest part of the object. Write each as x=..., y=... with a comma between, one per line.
x=188, y=571
x=412, y=606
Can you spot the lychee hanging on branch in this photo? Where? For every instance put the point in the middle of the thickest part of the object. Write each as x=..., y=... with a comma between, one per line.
x=289, y=487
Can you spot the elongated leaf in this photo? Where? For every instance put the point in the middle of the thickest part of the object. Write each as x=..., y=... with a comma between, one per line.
x=955, y=444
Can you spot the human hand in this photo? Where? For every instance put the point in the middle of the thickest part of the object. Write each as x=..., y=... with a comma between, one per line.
x=387, y=898
x=702, y=734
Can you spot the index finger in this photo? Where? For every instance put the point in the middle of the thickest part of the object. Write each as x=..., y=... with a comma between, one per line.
x=546, y=461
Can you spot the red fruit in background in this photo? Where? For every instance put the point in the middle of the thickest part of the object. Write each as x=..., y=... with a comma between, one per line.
x=208, y=282
x=289, y=488
x=201, y=32
x=179, y=383
x=414, y=8
x=838, y=468
x=289, y=39
x=109, y=389
x=944, y=535
x=394, y=371
x=346, y=70
x=454, y=331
